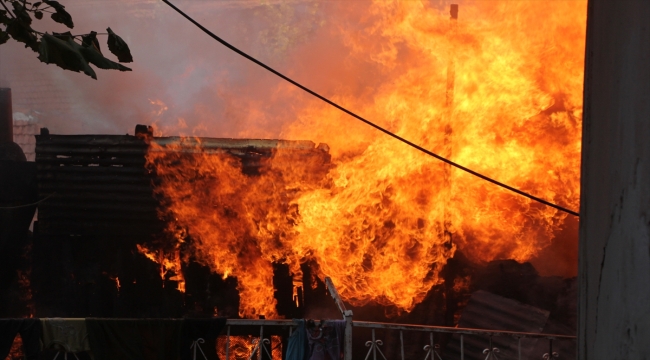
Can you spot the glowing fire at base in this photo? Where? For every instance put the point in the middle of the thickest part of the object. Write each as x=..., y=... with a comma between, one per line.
x=242, y=347
x=16, y=352
x=375, y=222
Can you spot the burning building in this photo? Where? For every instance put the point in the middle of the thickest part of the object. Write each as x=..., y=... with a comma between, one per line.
x=153, y=226
x=103, y=213
x=144, y=226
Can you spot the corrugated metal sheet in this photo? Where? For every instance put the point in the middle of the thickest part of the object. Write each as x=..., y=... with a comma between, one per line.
x=97, y=181
x=489, y=311
x=100, y=181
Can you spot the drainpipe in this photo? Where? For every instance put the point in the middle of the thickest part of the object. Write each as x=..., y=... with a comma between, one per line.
x=9, y=150
x=6, y=118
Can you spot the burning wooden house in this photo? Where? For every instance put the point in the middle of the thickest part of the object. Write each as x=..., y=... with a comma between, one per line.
x=108, y=242
x=143, y=226
x=102, y=236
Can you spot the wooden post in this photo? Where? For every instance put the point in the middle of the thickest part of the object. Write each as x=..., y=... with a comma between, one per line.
x=447, y=142
x=347, y=316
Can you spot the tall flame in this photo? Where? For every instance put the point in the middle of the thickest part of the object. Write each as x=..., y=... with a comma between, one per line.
x=384, y=219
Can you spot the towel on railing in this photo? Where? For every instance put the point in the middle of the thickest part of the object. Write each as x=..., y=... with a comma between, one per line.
x=68, y=334
x=298, y=345
x=30, y=332
x=141, y=339
x=199, y=336
x=326, y=340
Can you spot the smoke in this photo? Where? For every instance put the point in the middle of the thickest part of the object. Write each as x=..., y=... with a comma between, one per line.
x=201, y=84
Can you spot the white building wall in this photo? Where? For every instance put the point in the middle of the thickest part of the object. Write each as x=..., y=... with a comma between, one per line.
x=25, y=127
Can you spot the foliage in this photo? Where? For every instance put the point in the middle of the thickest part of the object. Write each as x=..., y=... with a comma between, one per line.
x=70, y=52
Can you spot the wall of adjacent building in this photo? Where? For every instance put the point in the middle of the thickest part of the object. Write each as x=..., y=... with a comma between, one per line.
x=614, y=265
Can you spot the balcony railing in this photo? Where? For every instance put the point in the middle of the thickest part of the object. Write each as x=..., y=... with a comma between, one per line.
x=243, y=334
x=431, y=350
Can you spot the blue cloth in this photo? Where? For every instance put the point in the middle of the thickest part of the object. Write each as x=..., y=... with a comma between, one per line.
x=298, y=345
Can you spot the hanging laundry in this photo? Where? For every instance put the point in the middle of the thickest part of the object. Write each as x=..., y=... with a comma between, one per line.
x=298, y=345
x=199, y=338
x=68, y=335
x=141, y=339
x=30, y=332
x=326, y=339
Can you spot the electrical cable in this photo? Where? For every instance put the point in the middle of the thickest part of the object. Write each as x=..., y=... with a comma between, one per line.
x=368, y=122
x=27, y=205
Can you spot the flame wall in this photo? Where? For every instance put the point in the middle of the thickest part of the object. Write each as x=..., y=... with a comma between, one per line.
x=380, y=221
x=384, y=220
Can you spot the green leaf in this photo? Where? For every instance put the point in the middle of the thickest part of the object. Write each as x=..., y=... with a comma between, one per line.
x=91, y=40
x=59, y=50
x=38, y=15
x=20, y=13
x=60, y=16
x=4, y=19
x=62, y=50
x=95, y=57
x=63, y=36
x=23, y=33
x=4, y=36
x=118, y=47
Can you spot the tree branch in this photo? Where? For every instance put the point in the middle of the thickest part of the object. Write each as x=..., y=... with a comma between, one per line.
x=6, y=8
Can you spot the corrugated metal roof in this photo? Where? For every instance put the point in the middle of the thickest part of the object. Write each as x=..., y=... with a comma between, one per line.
x=100, y=181
x=489, y=311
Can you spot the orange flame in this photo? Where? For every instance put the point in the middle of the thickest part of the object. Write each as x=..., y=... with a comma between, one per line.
x=242, y=347
x=169, y=263
x=16, y=351
x=383, y=221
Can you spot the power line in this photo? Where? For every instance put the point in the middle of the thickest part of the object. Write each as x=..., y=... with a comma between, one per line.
x=26, y=205
x=315, y=94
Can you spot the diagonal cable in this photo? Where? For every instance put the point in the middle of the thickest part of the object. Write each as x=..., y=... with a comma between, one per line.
x=315, y=94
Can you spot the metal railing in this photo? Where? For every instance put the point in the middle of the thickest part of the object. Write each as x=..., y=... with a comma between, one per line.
x=432, y=350
x=260, y=348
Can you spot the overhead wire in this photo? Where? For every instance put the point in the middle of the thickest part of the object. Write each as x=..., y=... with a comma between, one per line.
x=27, y=205
x=368, y=122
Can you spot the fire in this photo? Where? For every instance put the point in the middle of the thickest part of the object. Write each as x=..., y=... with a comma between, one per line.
x=384, y=219
x=24, y=283
x=170, y=263
x=244, y=347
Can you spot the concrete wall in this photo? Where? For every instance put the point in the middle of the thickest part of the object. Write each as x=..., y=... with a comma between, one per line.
x=614, y=269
